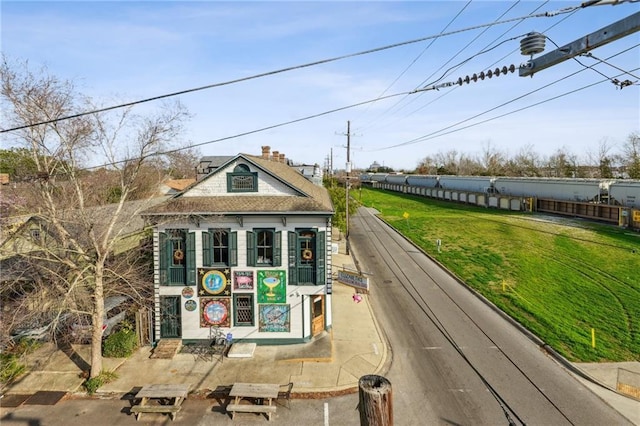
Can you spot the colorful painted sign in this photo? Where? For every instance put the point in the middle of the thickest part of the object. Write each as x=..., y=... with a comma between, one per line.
x=214, y=282
x=215, y=311
x=272, y=287
x=274, y=318
x=243, y=280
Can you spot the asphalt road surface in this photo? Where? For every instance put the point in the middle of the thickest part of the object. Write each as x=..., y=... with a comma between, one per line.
x=455, y=360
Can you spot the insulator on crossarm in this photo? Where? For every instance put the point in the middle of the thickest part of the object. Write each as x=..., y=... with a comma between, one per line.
x=481, y=75
x=466, y=79
x=459, y=82
x=474, y=77
x=532, y=44
x=489, y=73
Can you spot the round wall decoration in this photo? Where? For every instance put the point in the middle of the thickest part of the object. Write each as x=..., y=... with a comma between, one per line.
x=215, y=312
x=187, y=292
x=307, y=254
x=190, y=305
x=214, y=282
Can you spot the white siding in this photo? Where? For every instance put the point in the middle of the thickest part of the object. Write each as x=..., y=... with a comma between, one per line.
x=297, y=297
x=216, y=184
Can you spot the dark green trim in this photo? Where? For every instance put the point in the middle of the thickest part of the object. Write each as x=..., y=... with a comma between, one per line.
x=235, y=310
x=191, y=258
x=293, y=259
x=277, y=248
x=274, y=341
x=162, y=258
x=252, y=175
x=321, y=246
x=233, y=249
x=206, y=248
x=251, y=249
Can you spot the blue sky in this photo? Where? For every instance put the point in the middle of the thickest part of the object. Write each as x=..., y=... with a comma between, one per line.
x=119, y=52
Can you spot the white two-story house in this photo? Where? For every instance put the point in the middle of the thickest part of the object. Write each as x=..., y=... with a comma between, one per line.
x=247, y=249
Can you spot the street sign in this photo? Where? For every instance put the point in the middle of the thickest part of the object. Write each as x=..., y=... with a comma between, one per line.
x=354, y=280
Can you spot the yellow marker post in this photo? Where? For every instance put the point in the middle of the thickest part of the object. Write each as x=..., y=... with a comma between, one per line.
x=593, y=337
x=504, y=286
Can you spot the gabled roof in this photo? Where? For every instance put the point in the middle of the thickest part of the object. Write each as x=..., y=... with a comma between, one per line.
x=310, y=198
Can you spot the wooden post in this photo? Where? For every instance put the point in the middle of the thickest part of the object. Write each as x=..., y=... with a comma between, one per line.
x=375, y=401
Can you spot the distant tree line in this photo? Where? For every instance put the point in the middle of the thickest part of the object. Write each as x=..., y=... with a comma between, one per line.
x=604, y=162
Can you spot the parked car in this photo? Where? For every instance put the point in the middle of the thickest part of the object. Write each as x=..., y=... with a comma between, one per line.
x=115, y=308
x=39, y=329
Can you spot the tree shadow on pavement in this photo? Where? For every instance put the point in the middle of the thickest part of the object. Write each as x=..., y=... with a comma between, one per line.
x=65, y=347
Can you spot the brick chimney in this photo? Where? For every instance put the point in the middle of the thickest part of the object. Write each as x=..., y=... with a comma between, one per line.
x=275, y=156
x=265, y=152
x=282, y=158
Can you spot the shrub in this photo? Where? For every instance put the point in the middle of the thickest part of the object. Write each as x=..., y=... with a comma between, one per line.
x=10, y=367
x=120, y=344
x=93, y=384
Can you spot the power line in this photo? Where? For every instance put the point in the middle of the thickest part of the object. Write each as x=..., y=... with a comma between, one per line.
x=439, y=133
x=286, y=69
x=432, y=135
x=486, y=47
x=420, y=55
x=250, y=132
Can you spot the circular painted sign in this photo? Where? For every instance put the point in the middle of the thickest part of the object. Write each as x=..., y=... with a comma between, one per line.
x=187, y=292
x=214, y=282
x=215, y=312
x=190, y=305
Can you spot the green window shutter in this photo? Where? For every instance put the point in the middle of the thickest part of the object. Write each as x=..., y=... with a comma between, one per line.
x=206, y=249
x=233, y=249
x=293, y=260
x=163, y=252
x=251, y=249
x=191, y=258
x=320, y=258
x=277, y=248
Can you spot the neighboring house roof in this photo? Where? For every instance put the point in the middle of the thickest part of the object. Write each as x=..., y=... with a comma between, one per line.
x=174, y=186
x=210, y=163
x=19, y=240
x=303, y=196
x=179, y=184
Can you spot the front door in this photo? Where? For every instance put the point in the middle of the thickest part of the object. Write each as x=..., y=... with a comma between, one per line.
x=170, y=319
x=317, y=315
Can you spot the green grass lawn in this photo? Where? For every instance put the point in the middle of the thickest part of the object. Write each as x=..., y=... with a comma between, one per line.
x=558, y=277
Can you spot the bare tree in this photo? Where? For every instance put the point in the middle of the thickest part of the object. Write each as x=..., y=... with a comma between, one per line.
x=561, y=164
x=602, y=160
x=182, y=163
x=86, y=219
x=492, y=160
x=631, y=155
x=447, y=162
x=526, y=163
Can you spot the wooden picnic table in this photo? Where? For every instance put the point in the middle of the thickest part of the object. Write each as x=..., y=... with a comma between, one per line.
x=262, y=395
x=170, y=398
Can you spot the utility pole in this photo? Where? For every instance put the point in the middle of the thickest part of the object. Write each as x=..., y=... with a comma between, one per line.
x=347, y=184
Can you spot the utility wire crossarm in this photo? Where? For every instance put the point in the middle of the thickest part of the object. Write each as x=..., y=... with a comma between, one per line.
x=608, y=34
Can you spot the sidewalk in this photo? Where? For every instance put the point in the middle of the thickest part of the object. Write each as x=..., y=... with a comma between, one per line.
x=329, y=365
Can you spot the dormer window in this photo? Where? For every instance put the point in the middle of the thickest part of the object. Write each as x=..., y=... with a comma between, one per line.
x=242, y=180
